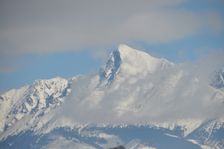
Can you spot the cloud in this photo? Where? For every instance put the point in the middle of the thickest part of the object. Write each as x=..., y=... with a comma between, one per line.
x=7, y=69
x=49, y=26
x=179, y=92
x=160, y=26
x=8, y=65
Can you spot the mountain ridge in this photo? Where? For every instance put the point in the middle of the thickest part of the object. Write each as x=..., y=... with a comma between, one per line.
x=127, y=100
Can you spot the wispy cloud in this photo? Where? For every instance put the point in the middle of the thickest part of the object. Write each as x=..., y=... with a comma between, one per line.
x=7, y=69
x=48, y=26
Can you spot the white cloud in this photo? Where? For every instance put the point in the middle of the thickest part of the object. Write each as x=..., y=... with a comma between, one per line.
x=180, y=92
x=48, y=26
x=160, y=26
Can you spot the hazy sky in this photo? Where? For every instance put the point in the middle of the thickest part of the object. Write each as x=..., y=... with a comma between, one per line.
x=47, y=38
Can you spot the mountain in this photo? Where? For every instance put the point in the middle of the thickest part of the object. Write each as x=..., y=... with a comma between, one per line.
x=136, y=101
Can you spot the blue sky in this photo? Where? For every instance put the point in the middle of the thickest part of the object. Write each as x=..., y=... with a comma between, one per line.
x=44, y=39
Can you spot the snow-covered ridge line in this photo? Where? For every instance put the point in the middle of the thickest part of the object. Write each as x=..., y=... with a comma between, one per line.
x=37, y=98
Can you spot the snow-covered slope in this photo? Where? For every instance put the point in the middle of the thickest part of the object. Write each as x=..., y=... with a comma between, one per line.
x=36, y=100
x=210, y=133
x=136, y=100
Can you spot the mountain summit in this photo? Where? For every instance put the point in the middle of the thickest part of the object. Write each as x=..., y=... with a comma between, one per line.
x=127, y=61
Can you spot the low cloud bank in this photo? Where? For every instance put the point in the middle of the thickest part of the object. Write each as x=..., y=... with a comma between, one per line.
x=180, y=92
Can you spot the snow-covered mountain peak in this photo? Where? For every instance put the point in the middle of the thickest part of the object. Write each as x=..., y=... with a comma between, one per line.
x=135, y=61
x=127, y=61
x=128, y=52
